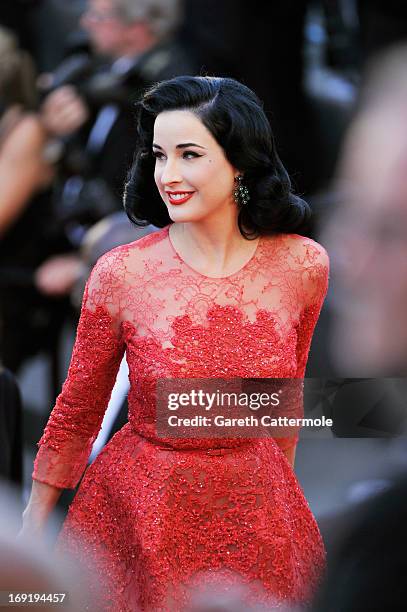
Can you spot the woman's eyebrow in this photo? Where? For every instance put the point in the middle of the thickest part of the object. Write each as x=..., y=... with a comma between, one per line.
x=181, y=146
x=188, y=144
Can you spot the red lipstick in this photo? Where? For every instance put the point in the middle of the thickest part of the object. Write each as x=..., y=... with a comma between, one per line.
x=179, y=197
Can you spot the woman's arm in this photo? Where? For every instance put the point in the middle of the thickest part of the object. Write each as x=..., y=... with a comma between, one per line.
x=78, y=413
x=23, y=169
x=42, y=502
x=311, y=271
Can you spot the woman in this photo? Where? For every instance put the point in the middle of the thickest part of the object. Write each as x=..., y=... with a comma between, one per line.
x=24, y=170
x=225, y=289
x=29, y=320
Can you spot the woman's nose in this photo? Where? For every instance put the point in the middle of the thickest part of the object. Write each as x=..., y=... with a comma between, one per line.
x=170, y=173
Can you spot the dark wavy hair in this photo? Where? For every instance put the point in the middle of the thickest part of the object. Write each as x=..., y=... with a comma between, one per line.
x=235, y=117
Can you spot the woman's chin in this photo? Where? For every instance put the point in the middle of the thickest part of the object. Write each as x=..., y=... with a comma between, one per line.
x=178, y=214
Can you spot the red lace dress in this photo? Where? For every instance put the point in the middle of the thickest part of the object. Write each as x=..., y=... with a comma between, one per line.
x=154, y=517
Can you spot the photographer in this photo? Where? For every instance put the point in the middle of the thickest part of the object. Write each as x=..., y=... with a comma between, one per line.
x=92, y=114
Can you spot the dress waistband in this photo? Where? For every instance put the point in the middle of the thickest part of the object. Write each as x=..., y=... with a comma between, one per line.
x=204, y=451
x=212, y=451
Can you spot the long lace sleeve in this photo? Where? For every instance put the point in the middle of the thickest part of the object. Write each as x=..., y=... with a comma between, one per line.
x=314, y=289
x=312, y=283
x=76, y=418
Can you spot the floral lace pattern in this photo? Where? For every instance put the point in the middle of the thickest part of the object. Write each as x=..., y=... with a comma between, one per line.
x=156, y=515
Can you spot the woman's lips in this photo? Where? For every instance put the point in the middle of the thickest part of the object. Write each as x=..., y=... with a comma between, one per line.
x=179, y=197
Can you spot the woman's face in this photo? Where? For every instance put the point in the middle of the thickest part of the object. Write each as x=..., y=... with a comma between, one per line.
x=193, y=176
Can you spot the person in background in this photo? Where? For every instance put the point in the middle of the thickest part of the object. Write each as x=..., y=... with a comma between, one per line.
x=368, y=232
x=30, y=572
x=133, y=46
x=368, y=569
x=29, y=321
x=24, y=170
x=11, y=455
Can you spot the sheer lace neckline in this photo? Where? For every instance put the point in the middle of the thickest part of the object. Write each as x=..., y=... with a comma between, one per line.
x=235, y=273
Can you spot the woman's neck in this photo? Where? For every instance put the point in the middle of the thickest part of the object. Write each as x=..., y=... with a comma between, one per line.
x=215, y=249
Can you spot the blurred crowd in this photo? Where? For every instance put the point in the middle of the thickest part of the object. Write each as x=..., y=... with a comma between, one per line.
x=333, y=78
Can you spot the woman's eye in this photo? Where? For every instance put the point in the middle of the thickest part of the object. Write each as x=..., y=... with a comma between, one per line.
x=190, y=155
x=185, y=155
